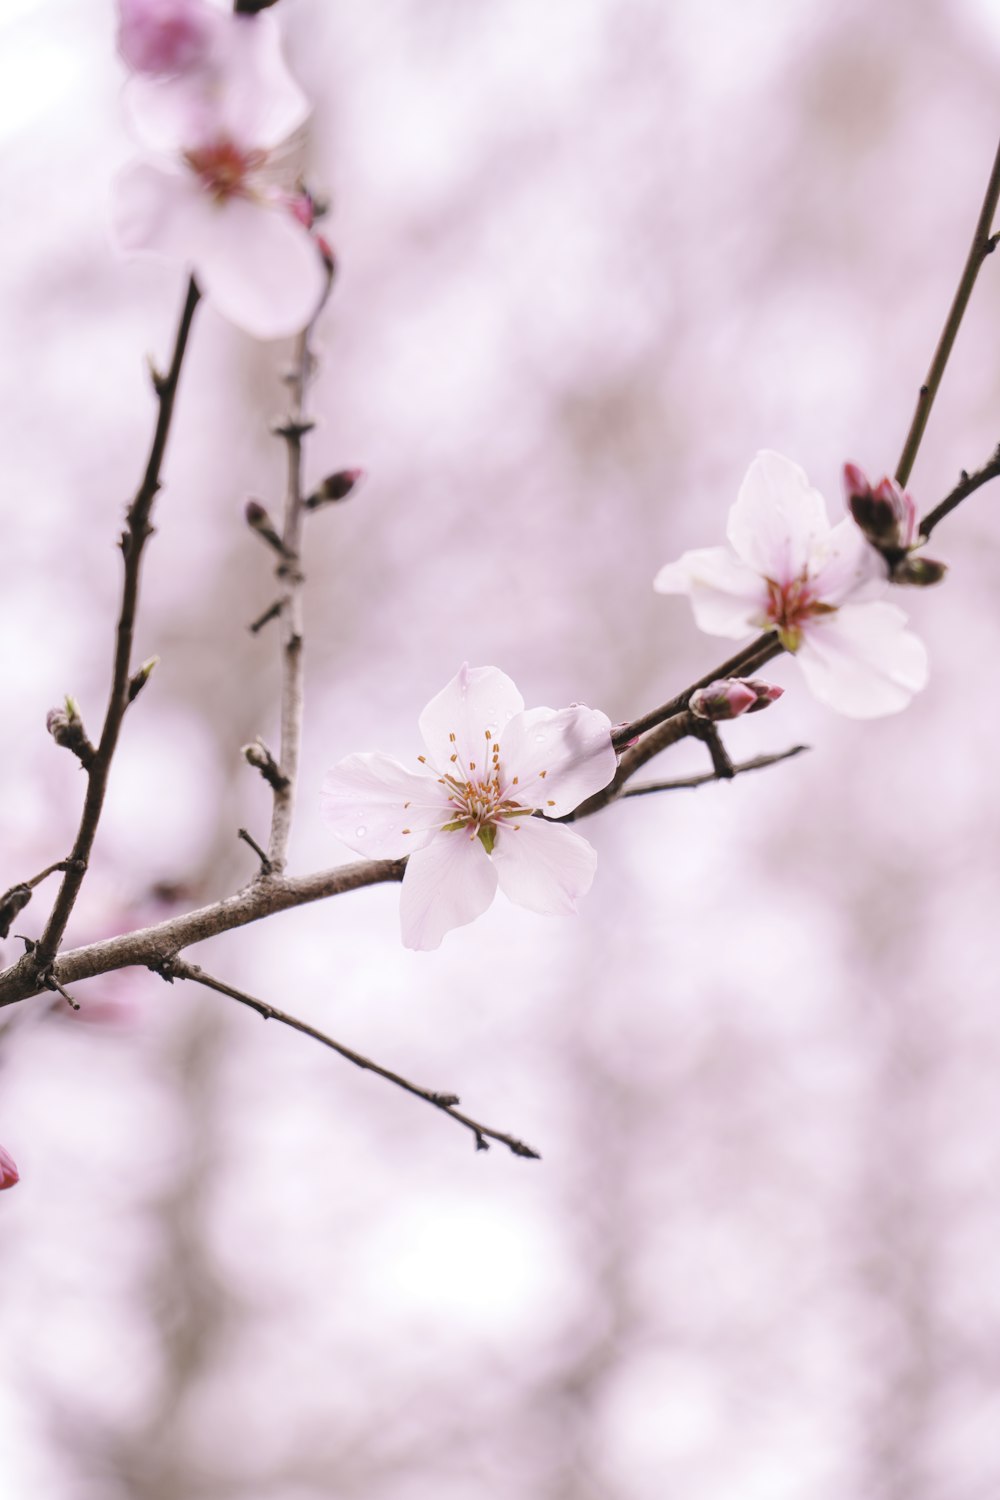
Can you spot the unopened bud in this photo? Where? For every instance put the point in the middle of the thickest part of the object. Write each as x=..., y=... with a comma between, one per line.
x=919, y=572
x=8, y=1170
x=258, y=520
x=139, y=679
x=767, y=693
x=12, y=902
x=335, y=487
x=725, y=699
x=257, y=754
x=884, y=512
x=66, y=728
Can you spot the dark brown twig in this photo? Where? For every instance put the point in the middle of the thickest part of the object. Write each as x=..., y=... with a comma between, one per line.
x=966, y=486
x=136, y=534
x=685, y=783
x=447, y=1103
x=983, y=244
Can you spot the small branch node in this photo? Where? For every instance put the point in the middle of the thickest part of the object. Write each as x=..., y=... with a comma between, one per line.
x=139, y=679
x=48, y=979
x=66, y=728
x=271, y=613
x=266, y=867
x=257, y=754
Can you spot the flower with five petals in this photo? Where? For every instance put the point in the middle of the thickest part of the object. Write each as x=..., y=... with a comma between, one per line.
x=466, y=817
x=815, y=585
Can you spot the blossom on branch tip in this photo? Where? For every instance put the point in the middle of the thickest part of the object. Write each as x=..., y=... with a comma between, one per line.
x=815, y=585
x=8, y=1170
x=466, y=817
x=216, y=194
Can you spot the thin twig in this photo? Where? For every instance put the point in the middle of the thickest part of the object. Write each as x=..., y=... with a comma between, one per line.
x=966, y=486
x=136, y=534
x=266, y=867
x=289, y=571
x=982, y=246
x=684, y=783
x=446, y=1103
x=764, y=649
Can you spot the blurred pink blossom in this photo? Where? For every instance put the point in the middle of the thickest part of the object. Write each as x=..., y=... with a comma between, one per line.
x=815, y=585
x=489, y=765
x=161, y=37
x=213, y=197
x=8, y=1170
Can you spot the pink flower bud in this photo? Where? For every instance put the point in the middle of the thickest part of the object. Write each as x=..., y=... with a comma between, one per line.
x=725, y=699
x=163, y=37
x=767, y=693
x=8, y=1170
x=886, y=513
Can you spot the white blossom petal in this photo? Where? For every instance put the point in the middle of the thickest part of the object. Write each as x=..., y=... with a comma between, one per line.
x=862, y=660
x=727, y=597
x=476, y=699
x=543, y=866
x=778, y=521
x=369, y=799
x=253, y=260
x=261, y=268
x=848, y=567
x=243, y=92
x=572, y=746
x=448, y=884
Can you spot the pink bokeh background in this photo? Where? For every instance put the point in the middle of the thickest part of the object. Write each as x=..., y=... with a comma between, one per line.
x=593, y=255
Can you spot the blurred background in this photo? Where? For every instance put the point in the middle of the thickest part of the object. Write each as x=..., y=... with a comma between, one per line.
x=594, y=254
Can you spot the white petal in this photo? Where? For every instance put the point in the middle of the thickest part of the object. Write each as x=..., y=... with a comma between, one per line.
x=543, y=866
x=848, y=567
x=446, y=885
x=243, y=93
x=572, y=746
x=253, y=260
x=778, y=521
x=260, y=267
x=727, y=597
x=862, y=660
x=369, y=799
x=476, y=699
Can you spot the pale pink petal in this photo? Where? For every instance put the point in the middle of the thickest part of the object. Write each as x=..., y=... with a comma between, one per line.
x=543, y=866
x=449, y=883
x=572, y=746
x=164, y=36
x=476, y=699
x=848, y=567
x=862, y=660
x=243, y=92
x=9, y=1174
x=727, y=597
x=370, y=799
x=260, y=267
x=254, y=261
x=778, y=520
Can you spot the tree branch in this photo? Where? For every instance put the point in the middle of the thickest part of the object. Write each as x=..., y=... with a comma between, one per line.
x=966, y=486
x=683, y=783
x=137, y=532
x=983, y=244
x=289, y=572
x=446, y=1103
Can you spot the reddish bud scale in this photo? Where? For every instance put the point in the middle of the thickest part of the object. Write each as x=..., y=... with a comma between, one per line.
x=8, y=1170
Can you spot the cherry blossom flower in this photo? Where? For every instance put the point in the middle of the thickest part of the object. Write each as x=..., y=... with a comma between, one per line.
x=218, y=117
x=8, y=1170
x=814, y=584
x=465, y=817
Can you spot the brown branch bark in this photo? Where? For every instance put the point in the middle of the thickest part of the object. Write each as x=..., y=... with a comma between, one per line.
x=134, y=538
x=983, y=244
